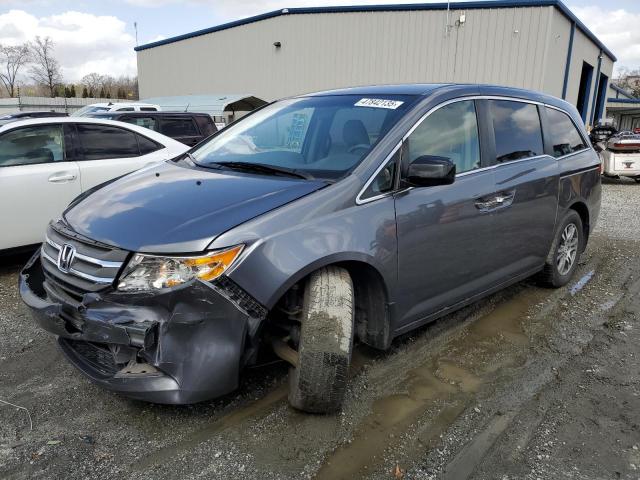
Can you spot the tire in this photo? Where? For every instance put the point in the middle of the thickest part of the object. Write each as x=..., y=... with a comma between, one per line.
x=637, y=179
x=555, y=273
x=317, y=384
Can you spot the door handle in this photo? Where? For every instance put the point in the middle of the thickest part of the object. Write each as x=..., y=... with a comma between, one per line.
x=62, y=177
x=499, y=200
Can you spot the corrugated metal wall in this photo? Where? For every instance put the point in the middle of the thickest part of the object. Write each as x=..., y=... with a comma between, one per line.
x=522, y=47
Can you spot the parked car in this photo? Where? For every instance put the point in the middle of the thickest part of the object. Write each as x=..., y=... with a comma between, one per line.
x=361, y=213
x=46, y=163
x=115, y=107
x=13, y=117
x=636, y=131
x=621, y=158
x=188, y=128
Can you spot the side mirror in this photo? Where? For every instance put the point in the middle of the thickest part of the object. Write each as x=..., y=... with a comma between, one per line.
x=431, y=170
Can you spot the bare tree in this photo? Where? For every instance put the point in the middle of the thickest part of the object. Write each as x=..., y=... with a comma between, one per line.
x=93, y=82
x=45, y=70
x=629, y=80
x=12, y=59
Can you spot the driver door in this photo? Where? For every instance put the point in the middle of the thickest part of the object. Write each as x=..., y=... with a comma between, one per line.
x=444, y=232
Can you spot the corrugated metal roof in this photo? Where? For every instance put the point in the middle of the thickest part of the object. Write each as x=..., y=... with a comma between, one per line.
x=213, y=104
x=390, y=8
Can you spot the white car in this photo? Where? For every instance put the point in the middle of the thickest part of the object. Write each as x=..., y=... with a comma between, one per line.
x=45, y=163
x=621, y=157
x=116, y=107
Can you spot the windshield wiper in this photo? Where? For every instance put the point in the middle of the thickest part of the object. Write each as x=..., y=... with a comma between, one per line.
x=263, y=168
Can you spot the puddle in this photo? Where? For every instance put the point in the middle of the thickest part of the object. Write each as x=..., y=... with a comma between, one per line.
x=580, y=284
x=444, y=383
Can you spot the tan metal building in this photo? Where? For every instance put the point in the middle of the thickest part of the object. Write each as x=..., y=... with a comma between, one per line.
x=534, y=44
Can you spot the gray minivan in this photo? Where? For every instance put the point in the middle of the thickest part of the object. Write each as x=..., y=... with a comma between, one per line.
x=316, y=221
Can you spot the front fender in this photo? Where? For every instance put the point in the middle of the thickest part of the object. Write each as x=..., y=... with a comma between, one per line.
x=286, y=245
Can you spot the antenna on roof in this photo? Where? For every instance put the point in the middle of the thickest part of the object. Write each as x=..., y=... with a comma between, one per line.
x=186, y=109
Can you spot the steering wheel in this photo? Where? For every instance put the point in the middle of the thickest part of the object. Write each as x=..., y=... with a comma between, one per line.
x=359, y=146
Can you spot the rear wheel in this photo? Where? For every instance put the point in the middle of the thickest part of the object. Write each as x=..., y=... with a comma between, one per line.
x=637, y=179
x=563, y=257
x=318, y=382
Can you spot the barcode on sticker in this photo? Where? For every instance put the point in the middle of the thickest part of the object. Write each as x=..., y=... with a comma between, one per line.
x=378, y=103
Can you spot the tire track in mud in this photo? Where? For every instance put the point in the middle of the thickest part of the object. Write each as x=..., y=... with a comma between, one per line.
x=445, y=382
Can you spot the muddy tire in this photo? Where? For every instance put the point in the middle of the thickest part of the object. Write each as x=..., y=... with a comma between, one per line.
x=564, y=255
x=318, y=383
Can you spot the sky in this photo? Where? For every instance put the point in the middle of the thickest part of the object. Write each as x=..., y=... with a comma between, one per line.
x=99, y=35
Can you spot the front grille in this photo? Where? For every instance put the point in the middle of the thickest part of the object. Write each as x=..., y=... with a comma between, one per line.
x=95, y=355
x=93, y=267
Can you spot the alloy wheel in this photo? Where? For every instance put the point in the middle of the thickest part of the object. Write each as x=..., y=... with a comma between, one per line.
x=568, y=249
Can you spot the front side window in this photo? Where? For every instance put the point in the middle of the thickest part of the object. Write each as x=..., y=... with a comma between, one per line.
x=323, y=137
x=104, y=141
x=31, y=145
x=517, y=130
x=450, y=132
x=564, y=135
x=125, y=109
x=148, y=109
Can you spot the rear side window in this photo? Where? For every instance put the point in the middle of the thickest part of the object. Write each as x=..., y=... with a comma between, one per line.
x=563, y=133
x=517, y=130
x=179, y=127
x=104, y=141
x=146, y=145
x=450, y=132
x=31, y=145
x=146, y=122
x=126, y=109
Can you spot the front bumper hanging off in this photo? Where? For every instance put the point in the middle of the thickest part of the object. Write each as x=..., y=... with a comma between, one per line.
x=184, y=345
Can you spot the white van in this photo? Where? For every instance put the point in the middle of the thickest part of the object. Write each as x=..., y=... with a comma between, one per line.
x=116, y=107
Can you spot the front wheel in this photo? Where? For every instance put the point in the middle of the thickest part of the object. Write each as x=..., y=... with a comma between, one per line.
x=563, y=257
x=318, y=382
x=637, y=179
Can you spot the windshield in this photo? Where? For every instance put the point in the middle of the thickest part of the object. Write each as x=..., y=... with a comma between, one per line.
x=89, y=109
x=323, y=137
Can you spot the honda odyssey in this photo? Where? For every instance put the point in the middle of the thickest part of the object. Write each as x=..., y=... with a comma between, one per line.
x=314, y=222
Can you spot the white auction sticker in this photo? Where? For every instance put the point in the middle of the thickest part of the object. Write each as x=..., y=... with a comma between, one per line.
x=378, y=103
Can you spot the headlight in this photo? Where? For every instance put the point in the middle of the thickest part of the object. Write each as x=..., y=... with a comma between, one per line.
x=151, y=272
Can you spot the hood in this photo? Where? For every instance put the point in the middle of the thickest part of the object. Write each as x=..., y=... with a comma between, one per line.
x=173, y=209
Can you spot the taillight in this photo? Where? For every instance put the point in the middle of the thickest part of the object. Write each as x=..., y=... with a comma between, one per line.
x=626, y=145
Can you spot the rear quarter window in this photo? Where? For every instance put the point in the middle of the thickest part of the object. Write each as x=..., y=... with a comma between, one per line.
x=207, y=127
x=517, y=130
x=563, y=133
x=147, y=145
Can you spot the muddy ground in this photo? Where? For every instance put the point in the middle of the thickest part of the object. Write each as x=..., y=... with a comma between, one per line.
x=527, y=384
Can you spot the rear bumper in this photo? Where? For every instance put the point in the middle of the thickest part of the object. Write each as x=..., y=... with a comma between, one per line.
x=620, y=164
x=196, y=337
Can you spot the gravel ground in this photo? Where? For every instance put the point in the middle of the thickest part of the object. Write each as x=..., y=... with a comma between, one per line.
x=528, y=383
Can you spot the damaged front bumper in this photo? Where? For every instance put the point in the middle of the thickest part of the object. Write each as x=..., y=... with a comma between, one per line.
x=183, y=345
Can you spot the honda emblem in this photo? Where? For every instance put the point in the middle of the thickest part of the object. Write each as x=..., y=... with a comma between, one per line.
x=65, y=257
